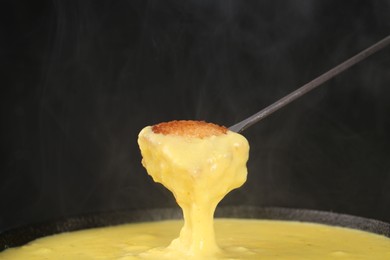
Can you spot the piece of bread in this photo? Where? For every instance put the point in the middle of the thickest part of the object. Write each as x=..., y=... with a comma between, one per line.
x=189, y=128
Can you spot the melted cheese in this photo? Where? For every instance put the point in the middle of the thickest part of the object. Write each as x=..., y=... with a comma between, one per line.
x=238, y=239
x=200, y=172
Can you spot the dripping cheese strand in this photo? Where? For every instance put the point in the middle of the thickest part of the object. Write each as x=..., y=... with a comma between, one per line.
x=199, y=163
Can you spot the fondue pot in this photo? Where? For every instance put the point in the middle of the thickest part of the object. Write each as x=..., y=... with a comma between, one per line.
x=23, y=235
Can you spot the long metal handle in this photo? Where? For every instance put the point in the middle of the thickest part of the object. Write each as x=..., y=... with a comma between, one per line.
x=241, y=126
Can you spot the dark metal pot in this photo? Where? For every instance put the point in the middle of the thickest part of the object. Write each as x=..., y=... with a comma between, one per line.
x=23, y=235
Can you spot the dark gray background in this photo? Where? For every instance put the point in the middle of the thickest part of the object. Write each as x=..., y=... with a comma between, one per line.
x=82, y=78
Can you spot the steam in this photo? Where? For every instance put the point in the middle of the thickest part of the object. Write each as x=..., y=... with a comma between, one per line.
x=107, y=69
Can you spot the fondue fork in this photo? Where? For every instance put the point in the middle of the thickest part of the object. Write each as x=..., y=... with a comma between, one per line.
x=244, y=124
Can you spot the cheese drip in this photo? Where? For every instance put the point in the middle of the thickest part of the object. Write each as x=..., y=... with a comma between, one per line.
x=199, y=171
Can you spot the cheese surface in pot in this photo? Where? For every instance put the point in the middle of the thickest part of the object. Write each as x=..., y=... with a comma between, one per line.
x=237, y=239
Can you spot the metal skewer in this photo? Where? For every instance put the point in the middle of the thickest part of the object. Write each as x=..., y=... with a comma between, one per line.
x=241, y=126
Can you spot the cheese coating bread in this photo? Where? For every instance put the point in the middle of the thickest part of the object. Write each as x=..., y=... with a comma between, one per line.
x=199, y=163
x=189, y=128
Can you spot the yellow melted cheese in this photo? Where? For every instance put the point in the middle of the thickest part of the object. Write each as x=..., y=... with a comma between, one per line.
x=200, y=172
x=237, y=238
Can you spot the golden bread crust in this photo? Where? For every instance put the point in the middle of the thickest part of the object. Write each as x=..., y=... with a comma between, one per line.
x=189, y=128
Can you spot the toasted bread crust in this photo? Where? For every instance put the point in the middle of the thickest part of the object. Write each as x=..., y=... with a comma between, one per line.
x=189, y=128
